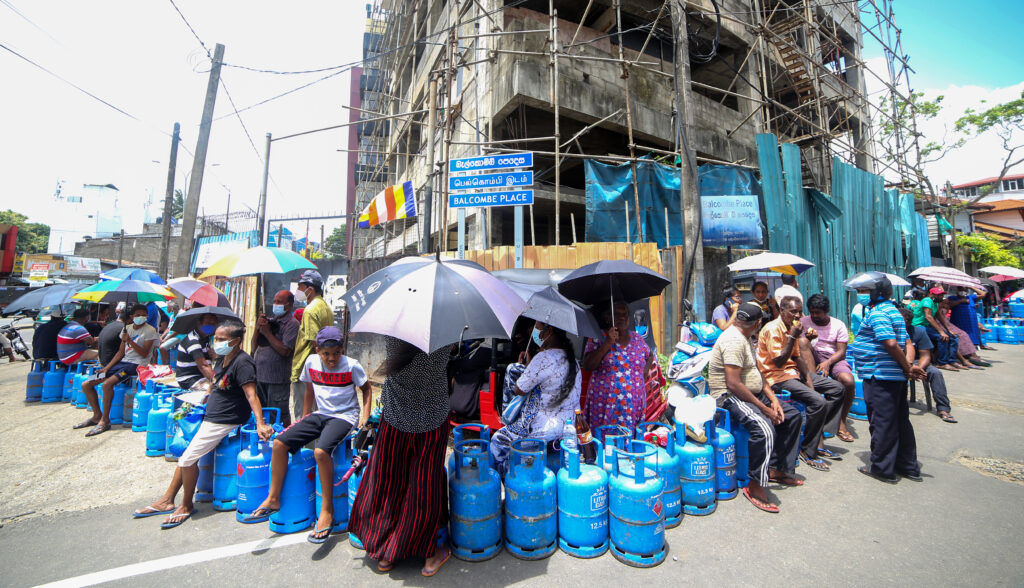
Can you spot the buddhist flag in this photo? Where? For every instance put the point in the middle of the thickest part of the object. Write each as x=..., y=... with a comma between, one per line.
x=393, y=203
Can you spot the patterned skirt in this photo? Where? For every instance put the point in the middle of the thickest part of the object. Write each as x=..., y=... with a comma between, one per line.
x=403, y=499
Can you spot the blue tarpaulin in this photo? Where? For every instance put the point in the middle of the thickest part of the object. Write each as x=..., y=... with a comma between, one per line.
x=610, y=188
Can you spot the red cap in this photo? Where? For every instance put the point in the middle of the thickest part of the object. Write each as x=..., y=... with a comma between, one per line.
x=936, y=290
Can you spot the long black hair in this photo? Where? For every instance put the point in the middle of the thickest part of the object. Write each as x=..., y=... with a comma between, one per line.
x=561, y=341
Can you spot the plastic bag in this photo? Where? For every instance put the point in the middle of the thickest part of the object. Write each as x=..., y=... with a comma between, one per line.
x=695, y=411
x=154, y=371
x=706, y=333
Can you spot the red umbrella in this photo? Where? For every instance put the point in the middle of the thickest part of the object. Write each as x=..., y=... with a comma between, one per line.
x=199, y=292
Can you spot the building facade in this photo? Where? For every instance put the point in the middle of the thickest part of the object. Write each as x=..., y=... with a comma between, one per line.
x=89, y=212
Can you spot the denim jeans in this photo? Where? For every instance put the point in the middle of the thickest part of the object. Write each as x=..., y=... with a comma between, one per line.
x=945, y=351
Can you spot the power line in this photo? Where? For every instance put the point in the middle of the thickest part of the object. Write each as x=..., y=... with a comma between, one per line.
x=29, y=21
x=194, y=33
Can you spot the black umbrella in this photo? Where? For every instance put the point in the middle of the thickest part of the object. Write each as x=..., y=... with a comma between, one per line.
x=187, y=321
x=618, y=279
x=39, y=298
x=551, y=308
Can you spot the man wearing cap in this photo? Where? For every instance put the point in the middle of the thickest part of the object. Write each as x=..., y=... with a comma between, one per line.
x=943, y=341
x=785, y=360
x=316, y=316
x=774, y=428
x=274, y=341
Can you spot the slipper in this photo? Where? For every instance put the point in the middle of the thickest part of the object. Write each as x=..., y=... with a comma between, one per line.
x=866, y=470
x=428, y=573
x=765, y=506
x=181, y=518
x=85, y=423
x=946, y=417
x=829, y=454
x=260, y=515
x=312, y=537
x=385, y=568
x=845, y=436
x=97, y=430
x=786, y=480
x=149, y=511
x=816, y=464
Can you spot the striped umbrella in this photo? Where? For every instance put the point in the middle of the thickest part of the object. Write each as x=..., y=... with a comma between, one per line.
x=258, y=260
x=124, y=291
x=199, y=291
x=1003, y=273
x=132, y=273
x=783, y=263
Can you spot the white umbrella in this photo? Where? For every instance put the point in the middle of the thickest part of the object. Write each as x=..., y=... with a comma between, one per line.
x=1003, y=273
x=783, y=263
x=897, y=281
x=938, y=269
x=951, y=280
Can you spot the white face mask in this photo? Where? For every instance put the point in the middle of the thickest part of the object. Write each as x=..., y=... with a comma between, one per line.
x=300, y=295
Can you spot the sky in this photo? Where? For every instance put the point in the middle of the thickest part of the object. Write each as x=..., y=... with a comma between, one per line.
x=142, y=58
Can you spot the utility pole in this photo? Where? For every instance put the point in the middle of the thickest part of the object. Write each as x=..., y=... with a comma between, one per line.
x=120, y=249
x=689, y=197
x=227, y=214
x=428, y=199
x=261, y=214
x=188, y=221
x=165, y=229
x=321, y=241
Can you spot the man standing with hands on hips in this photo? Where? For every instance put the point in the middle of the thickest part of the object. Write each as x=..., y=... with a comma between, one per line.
x=316, y=316
x=880, y=361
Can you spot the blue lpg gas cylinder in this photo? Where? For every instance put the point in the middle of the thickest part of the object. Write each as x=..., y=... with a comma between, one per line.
x=253, y=474
x=77, y=379
x=582, y=506
x=172, y=450
x=156, y=425
x=611, y=436
x=225, y=471
x=353, y=489
x=742, y=454
x=696, y=472
x=204, y=485
x=69, y=382
x=128, y=404
x=342, y=459
x=531, y=503
x=724, y=444
x=636, y=511
x=464, y=433
x=53, y=383
x=78, y=399
x=140, y=410
x=859, y=409
x=786, y=396
x=666, y=464
x=475, y=503
x=297, y=495
x=117, y=405
x=34, y=382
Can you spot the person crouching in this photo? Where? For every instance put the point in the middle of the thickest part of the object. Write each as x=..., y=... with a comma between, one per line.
x=331, y=380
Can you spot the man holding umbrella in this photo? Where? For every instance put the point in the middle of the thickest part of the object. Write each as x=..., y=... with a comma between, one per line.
x=316, y=316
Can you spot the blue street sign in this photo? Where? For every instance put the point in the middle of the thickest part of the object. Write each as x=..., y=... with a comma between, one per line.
x=502, y=180
x=512, y=198
x=485, y=162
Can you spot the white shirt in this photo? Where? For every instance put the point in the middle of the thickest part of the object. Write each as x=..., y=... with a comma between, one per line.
x=335, y=390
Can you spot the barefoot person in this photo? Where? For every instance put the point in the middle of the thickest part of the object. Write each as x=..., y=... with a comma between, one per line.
x=232, y=399
x=331, y=380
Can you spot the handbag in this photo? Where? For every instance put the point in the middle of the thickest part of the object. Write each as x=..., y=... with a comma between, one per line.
x=512, y=410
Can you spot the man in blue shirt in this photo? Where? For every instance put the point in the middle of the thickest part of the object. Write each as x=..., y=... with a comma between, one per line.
x=882, y=364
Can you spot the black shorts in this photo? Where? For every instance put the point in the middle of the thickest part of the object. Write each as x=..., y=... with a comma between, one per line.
x=328, y=432
x=124, y=370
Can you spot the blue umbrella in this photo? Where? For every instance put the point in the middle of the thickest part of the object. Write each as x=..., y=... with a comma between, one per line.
x=132, y=273
x=39, y=298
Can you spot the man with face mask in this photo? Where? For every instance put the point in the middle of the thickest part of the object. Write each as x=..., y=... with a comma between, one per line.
x=274, y=341
x=193, y=353
x=316, y=316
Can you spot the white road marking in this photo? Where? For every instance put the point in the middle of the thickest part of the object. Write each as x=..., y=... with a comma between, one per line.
x=175, y=561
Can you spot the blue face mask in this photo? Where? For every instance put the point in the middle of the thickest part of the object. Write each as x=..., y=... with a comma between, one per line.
x=641, y=330
x=208, y=329
x=864, y=299
x=222, y=348
x=278, y=310
x=536, y=337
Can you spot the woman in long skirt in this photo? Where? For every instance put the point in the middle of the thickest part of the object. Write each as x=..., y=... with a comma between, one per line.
x=403, y=498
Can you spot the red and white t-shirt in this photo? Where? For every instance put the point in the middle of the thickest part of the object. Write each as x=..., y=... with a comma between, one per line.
x=335, y=390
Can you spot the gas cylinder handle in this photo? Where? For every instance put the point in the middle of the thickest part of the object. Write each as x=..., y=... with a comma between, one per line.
x=532, y=460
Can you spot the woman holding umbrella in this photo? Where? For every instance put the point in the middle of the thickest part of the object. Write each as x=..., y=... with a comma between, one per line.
x=617, y=394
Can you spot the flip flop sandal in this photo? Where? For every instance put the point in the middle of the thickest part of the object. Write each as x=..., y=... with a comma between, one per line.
x=260, y=515
x=786, y=480
x=385, y=568
x=829, y=454
x=846, y=437
x=867, y=472
x=816, y=464
x=97, y=430
x=312, y=537
x=85, y=424
x=149, y=511
x=766, y=507
x=428, y=573
x=180, y=518
x=947, y=418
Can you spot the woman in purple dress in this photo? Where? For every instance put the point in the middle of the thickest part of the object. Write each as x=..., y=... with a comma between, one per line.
x=617, y=394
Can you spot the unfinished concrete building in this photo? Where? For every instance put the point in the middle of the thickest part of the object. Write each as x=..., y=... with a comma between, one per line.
x=597, y=79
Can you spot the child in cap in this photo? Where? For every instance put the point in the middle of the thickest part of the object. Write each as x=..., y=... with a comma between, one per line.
x=331, y=380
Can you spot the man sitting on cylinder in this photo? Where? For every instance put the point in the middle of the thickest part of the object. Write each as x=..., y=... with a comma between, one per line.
x=331, y=380
x=774, y=428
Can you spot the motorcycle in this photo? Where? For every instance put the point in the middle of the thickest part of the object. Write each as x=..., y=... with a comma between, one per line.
x=18, y=345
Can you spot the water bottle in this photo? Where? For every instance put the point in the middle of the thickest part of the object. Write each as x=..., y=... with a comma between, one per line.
x=569, y=437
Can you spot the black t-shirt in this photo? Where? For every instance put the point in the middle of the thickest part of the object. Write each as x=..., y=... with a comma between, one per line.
x=110, y=341
x=919, y=337
x=44, y=340
x=227, y=404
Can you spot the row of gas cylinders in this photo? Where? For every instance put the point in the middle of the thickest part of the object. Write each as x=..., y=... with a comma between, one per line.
x=622, y=503
x=55, y=382
x=1003, y=330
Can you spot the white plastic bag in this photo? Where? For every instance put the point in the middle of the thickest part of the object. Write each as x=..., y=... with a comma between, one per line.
x=695, y=411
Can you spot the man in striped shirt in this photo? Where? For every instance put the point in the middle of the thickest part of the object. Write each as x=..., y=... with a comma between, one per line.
x=882, y=364
x=74, y=343
x=192, y=364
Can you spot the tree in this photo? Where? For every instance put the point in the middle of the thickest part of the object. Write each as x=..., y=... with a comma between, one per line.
x=334, y=244
x=1007, y=122
x=32, y=237
x=985, y=250
x=178, y=205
